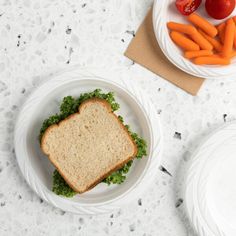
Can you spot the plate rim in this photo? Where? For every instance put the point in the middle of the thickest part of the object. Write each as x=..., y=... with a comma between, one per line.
x=57, y=201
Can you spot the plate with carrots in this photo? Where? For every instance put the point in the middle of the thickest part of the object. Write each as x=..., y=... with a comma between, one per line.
x=196, y=38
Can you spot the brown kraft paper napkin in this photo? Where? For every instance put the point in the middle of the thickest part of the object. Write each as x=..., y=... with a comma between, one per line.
x=145, y=50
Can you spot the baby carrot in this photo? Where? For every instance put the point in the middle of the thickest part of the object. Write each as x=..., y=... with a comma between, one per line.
x=211, y=60
x=203, y=24
x=216, y=44
x=184, y=42
x=201, y=53
x=201, y=41
x=232, y=55
x=235, y=38
x=218, y=55
x=229, y=38
x=234, y=18
x=182, y=28
x=221, y=31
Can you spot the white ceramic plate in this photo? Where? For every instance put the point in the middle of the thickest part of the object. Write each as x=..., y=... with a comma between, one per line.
x=210, y=185
x=137, y=111
x=165, y=11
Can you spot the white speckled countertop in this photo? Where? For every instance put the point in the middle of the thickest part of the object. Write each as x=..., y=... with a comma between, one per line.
x=41, y=37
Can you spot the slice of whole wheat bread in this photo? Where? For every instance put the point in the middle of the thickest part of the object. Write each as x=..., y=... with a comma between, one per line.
x=89, y=145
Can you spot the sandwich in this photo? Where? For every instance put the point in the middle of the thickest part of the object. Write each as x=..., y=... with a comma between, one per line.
x=88, y=143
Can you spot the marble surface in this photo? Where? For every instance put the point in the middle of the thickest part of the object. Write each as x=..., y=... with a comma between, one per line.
x=41, y=37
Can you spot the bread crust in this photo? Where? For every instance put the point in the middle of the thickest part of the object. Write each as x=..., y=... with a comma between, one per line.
x=117, y=167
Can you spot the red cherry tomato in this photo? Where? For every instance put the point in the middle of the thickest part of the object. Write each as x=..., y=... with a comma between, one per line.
x=219, y=9
x=186, y=7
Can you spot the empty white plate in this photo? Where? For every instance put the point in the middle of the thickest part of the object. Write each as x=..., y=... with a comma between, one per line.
x=210, y=184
